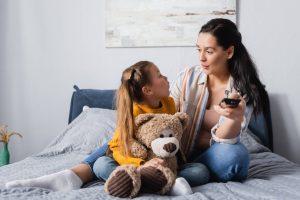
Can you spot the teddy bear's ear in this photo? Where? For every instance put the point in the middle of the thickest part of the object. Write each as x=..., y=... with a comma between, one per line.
x=143, y=118
x=183, y=117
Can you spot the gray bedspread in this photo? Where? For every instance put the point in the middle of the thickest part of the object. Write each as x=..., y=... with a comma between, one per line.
x=270, y=175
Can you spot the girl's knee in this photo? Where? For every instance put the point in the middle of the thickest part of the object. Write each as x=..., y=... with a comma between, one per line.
x=104, y=166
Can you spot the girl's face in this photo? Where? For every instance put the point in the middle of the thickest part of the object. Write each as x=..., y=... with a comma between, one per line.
x=159, y=87
x=213, y=58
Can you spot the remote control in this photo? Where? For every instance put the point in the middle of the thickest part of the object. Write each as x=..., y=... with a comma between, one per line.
x=232, y=103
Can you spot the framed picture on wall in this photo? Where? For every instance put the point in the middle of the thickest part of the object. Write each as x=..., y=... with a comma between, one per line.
x=154, y=23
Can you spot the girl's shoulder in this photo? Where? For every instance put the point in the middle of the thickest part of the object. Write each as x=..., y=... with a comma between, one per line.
x=169, y=104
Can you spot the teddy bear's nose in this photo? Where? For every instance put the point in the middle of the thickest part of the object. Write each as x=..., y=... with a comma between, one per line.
x=170, y=147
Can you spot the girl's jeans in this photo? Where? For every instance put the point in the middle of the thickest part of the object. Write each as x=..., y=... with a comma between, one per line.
x=91, y=159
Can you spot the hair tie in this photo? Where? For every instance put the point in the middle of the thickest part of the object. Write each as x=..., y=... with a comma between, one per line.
x=132, y=75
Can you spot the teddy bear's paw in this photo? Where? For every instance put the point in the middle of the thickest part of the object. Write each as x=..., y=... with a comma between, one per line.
x=157, y=179
x=124, y=182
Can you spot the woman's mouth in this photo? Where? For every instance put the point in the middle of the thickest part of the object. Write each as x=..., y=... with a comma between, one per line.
x=205, y=66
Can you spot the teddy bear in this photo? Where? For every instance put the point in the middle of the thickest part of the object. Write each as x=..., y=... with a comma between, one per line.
x=156, y=136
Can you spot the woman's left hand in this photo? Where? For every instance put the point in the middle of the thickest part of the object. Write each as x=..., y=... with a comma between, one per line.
x=235, y=114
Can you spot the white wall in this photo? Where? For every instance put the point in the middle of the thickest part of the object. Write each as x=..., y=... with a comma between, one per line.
x=47, y=46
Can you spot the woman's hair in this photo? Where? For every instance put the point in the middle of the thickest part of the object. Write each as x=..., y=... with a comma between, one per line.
x=241, y=66
x=132, y=81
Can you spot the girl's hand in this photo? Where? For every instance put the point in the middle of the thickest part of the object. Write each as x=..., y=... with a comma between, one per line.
x=154, y=162
x=235, y=114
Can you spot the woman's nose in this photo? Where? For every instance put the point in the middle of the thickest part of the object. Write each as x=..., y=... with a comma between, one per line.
x=202, y=56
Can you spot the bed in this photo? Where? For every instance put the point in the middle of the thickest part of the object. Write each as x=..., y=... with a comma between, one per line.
x=270, y=175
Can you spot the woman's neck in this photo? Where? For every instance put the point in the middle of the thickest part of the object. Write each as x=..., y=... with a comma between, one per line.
x=217, y=80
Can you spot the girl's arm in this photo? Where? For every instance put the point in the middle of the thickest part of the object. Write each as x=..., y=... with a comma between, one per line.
x=118, y=156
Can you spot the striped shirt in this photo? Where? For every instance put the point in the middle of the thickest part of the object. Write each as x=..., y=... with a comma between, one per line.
x=190, y=94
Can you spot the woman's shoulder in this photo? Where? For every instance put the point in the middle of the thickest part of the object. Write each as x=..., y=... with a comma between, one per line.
x=196, y=69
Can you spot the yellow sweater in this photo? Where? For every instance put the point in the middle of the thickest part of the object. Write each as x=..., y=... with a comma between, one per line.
x=168, y=106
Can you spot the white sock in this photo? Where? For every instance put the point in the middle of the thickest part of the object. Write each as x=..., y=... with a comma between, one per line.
x=181, y=187
x=65, y=180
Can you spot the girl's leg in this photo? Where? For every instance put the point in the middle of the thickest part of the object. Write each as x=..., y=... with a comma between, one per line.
x=85, y=170
x=66, y=180
x=104, y=166
x=226, y=162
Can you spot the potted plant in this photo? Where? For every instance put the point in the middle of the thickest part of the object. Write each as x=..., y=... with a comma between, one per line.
x=4, y=137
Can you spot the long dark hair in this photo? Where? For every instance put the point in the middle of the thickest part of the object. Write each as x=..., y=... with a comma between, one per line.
x=130, y=90
x=241, y=67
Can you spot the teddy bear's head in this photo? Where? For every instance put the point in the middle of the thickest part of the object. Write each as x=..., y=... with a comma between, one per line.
x=161, y=132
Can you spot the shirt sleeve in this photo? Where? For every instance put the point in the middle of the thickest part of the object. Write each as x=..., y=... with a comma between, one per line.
x=119, y=157
x=175, y=90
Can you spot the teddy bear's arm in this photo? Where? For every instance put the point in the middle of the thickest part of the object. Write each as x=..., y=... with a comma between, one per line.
x=138, y=150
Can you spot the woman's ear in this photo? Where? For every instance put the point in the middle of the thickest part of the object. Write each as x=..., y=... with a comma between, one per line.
x=230, y=52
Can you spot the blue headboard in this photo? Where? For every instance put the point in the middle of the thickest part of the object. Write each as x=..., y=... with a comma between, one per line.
x=261, y=125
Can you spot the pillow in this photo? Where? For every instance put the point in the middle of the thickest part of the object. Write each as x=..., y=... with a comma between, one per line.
x=91, y=129
x=91, y=98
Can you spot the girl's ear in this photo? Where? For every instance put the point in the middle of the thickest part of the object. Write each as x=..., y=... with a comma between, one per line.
x=146, y=90
x=230, y=52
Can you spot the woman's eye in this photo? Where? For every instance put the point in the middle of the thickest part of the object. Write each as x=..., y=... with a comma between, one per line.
x=209, y=52
x=199, y=50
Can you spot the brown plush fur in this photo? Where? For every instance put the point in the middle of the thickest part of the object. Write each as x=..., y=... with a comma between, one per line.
x=156, y=133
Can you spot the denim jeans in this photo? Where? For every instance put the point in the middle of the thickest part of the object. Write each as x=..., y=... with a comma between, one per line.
x=104, y=166
x=226, y=162
x=91, y=159
x=194, y=173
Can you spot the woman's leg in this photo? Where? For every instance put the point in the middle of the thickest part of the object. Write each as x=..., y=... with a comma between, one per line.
x=195, y=173
x=226, y=162
x=66, y=180
x=189, y=175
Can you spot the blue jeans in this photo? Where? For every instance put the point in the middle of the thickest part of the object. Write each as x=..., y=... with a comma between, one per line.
x=91, y=159
x=226, y=162
x=194, y=173
x=104, y=166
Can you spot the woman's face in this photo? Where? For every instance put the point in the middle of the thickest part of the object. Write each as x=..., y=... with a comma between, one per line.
x=213, y=58
x=159, y=83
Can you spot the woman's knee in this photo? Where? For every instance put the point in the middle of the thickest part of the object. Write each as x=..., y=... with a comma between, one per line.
x=104, y=166
x=231, y=163
x=195, y=173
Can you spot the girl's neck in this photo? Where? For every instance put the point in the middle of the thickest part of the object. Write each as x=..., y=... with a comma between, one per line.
x=151, y=103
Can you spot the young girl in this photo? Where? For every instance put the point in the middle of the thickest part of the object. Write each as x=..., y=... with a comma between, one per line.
x=143, y=89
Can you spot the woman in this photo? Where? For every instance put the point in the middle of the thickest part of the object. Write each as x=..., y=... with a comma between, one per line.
x=226, y=70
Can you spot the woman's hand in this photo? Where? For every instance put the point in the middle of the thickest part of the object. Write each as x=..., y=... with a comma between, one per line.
x=235, y=114
x=233, y=118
